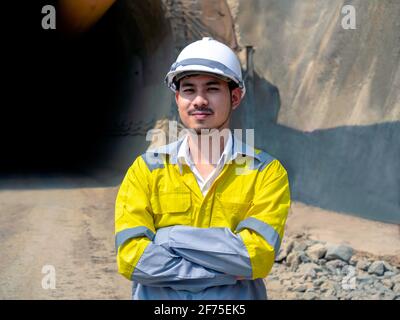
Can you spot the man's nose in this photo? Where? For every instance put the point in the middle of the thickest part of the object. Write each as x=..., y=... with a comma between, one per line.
x=200, y=100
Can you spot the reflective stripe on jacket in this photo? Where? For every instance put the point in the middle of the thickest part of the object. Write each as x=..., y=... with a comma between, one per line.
x=175, y=243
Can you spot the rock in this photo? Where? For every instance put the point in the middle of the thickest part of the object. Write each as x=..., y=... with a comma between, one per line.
x=323, y=278
x=286, y=249
x=311, y=265
x=281, y=256
x=328, y=297
x=336, y=278
x=388, y=283
x=349, y=281
x=396, y=288
x=324, y=273
x=310, y=242
x=298, y=276
x=341, y=252
x=287, y=275
x=336, y=287
x=289, y=246
x=336, y=263
x=364, y=279
x=363, y=264
x=326, y=286
x=300, y=288
x=377, y=267
x=379, y=286
x=293, y=260
x=309, y=270
x=353, y=261
x=357, y=295
x=396, y=279
x=346, y=296
x=376, y=296
x=310, y=296
x=389, y=274
x=318, y=282
x=290, y=296
x=332, y=270
x=321, y=262
x=389, y=296
x=316, y=251
x=304, y=258
x=286, y=283
x=387, y=266
x=300, y=246
x=349, y=270
x=330, y=292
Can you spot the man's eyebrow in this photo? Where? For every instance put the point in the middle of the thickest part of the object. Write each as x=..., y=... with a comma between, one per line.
x=187, y=84
x=213, y=82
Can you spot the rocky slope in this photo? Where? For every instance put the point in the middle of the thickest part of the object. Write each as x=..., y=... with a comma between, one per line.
x=315, y=270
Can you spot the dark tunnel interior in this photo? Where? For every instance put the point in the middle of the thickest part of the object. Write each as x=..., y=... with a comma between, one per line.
x=64, y=92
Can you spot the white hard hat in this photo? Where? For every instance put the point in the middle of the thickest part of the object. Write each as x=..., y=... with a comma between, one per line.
x=207, y=56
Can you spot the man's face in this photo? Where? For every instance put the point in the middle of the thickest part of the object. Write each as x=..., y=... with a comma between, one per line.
x=205, y=102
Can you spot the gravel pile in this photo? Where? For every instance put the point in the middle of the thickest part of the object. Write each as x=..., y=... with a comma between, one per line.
x=314, y=270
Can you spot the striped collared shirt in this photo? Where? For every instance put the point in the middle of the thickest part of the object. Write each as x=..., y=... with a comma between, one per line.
x=230, y=153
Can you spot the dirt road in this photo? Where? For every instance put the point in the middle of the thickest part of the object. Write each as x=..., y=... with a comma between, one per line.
x=70, y=229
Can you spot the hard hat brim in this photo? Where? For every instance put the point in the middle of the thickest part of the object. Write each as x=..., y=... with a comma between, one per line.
x=177, y=74
x=182, y=75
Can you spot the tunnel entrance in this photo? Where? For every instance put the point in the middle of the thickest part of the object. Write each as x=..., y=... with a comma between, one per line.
x=69, y=95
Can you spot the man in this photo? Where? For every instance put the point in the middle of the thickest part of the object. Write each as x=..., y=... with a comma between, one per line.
x=195, y=224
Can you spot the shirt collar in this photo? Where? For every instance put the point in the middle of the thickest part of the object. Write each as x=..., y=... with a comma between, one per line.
x=185, y=157
x=183, y=152
x=178, y=149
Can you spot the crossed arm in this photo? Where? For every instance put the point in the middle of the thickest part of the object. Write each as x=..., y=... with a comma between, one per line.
x=166, y=263
x=162, y=267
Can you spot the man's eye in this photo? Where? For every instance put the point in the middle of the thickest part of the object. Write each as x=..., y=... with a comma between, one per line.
x=213, y=89
x=188, y=90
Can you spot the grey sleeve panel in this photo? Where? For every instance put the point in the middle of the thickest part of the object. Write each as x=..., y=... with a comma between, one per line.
x=264, y=229
x=124, y=235
x=215, y=248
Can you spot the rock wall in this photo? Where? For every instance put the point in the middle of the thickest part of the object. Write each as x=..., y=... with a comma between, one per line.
x=327, y=99
x=327, y=76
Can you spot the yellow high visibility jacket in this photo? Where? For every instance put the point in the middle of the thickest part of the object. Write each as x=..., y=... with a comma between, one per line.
x=175, y=243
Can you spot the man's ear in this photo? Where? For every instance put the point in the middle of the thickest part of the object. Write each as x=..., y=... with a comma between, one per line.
x=176, y=97
x=236, y=97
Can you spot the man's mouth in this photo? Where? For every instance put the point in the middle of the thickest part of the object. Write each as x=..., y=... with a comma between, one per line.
x=201, y=114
